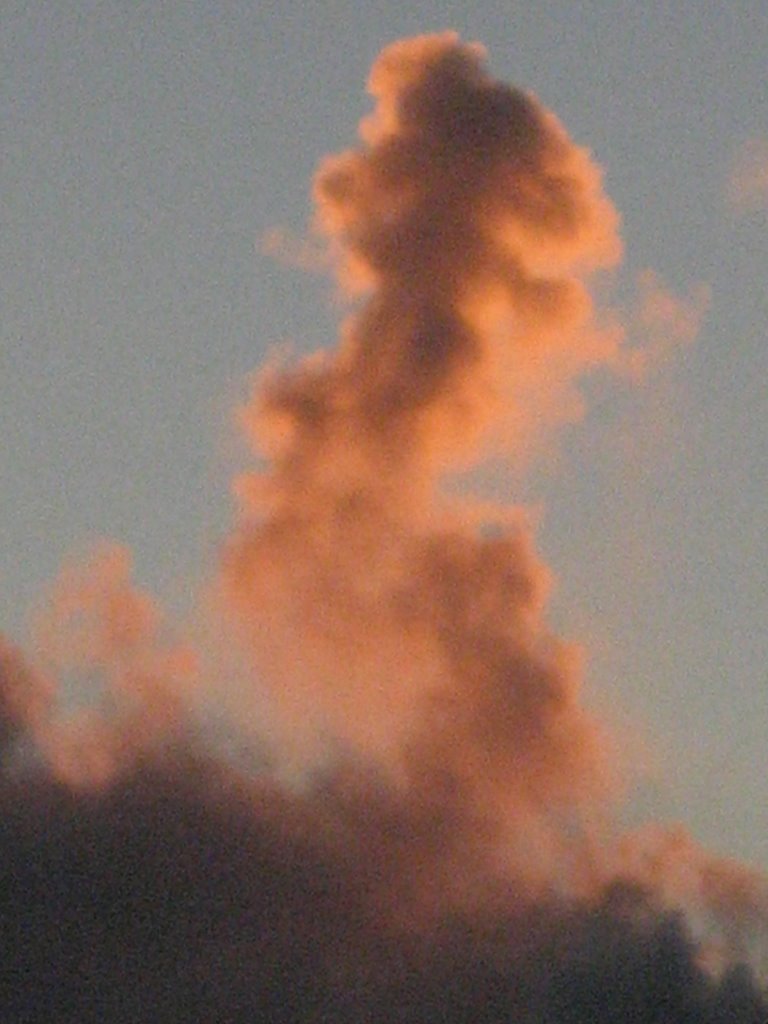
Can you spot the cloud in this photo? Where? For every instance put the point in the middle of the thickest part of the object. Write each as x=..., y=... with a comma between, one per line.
x=660, y=325
x=182, y=893
x=409, y=813
x=292, y=251
x=747, y=188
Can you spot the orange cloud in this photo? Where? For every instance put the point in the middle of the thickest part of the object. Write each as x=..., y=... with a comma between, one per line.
x=428, y=834
x=660, y=324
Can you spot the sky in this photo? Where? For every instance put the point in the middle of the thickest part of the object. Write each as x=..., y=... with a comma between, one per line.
x=440, y=676
x=150, y=149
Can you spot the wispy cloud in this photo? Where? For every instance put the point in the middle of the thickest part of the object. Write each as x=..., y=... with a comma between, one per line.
x=747, y=186
x=659, y=324
x=293, y=250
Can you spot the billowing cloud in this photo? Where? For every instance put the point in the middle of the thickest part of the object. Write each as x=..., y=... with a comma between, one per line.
x=364, y=787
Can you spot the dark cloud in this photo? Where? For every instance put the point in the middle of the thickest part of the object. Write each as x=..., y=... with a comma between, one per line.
x=181, y=894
